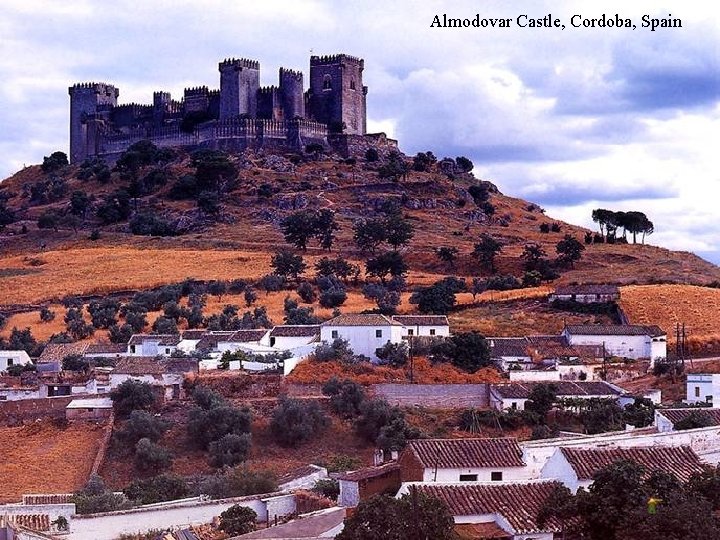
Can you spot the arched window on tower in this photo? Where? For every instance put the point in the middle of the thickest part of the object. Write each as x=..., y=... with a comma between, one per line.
x=352, y=84
x=327, y=82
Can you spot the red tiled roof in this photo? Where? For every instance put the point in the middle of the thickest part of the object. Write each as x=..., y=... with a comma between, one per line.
x=614, y=330
x=106, y=348
x=521, y=390
x=467, y=453
x=244, y=336
x=370, y=472
x=361, y=319
x=421, y=320
x=519, y=504
x=210, y=340
x=35, y=522
x=590, y=288
x=164, y=339
x=139, y=365
x=508, y=347
x=57, y=351
x=678, y=460
x=192, y=334
x=676, y=415
x=57, y=498
x=481, y=531
x=295, y=331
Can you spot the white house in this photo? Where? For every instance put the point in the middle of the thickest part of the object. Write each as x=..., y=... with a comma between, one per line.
x=153, y=344
x=495, y=510
x=365, y=333
x=575, y=467
x=586, y=294
x=424, y=325
x=515, y=395
x=623, y=340
x=166, y=375
x=189, y=340
x=240, y=340
x=703, y=388
x=13, y=358
x=462, y=460
x=665, y=419
x=288, y=336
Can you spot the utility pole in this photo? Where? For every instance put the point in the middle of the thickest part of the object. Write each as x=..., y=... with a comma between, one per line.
x=410, y=356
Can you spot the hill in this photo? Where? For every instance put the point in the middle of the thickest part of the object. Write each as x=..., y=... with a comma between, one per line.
x=43, y=265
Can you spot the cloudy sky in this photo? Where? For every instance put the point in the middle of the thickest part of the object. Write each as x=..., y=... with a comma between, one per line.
x=572, y=119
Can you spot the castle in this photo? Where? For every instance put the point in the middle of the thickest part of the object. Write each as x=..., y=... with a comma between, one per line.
x=241, y=114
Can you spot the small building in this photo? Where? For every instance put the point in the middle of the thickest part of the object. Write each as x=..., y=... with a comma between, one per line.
x=189, y=339
x=462, y=460
x=55, y=352
x=291, y=336
x=89, y=409
x=13, y=358
x=622, y=340
x=665, y=419
x=586, y=294
x=153, y=344
x=423, y=325
x=356, y=486
x=514, y=395
x=165, y=374
x=365, y=333
x=575, y=467
x=510, y=507
x=236, y=341
x=703, y=388
x=105, y=350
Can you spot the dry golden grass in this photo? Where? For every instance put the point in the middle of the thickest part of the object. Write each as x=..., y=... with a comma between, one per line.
x=667, y=305
x=44, y=458
x=31, y=319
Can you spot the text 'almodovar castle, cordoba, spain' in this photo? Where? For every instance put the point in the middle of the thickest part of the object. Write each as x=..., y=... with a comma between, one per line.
x=240, y=115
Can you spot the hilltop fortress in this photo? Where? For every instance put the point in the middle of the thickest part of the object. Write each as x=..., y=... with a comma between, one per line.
x=241, y=114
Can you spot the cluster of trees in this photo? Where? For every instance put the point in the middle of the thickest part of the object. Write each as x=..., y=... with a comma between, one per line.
x=626, y=501
x=633, y=222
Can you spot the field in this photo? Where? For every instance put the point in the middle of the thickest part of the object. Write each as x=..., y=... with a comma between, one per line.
x=44, y=458
x=667, y=305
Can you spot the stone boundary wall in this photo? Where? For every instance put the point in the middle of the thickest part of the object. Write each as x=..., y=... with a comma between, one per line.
x=30, y=409
x=104, y=444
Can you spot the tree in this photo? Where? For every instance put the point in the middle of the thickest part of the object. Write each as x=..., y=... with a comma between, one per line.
x=22, y=340
x=438, y=298
x=209, y=202
x=7, y=216
x=569, y=250
x=54, y=162
x=231, y=450
x=103, y=312
x=390, y=262
x=542, y=398
x=345, y=396
x=165, y=325
x=285, y=263
x=79, y=203
x=142, y=425
x=213, y=170
x=298, y=228
x=468, y=351
x=387, y=300
x=486, y=250
x=369, y=234
x=238, y=520
x=533, y=254
x=150, y=456
x=447, y=254
x=114, y=208
x=332, y=298
x=394, y=167
x=464, y=163
x=325, y=228
x=393, y=354
x=414, y=516
x=164, y=487
x=694, y=420
x=49, y=220
x=132, y=395
x=639, y=413
x=95, y=498
x=398, y=230
x=208, y=425
x=295, y=421
x=46, y=314
x=423, y=161
x=306, y=292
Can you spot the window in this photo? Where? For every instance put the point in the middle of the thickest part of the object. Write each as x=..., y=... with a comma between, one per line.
x=352, y=84
x=513, y=405
x=167, y=351
x=327, y=82
x=697, y=391
x=272, y=341
x=132, y=349
x=10, y=362
x=334, y=334
x=468, y=477
x=496, y=476
x=378, y=333
x=432, y=331
x=411, y=332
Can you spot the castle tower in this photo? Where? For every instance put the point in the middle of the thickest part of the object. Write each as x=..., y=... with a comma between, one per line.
x=292, y=92
x=162, y=103
x=337, y=95
x=239, y=84
x=84, y=101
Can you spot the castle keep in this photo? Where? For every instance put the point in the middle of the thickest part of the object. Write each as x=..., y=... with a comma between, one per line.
x=241, y=114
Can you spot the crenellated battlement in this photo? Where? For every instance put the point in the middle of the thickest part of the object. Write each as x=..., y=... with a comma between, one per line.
x=240, y=114
x=335, y=59
x=239, y=63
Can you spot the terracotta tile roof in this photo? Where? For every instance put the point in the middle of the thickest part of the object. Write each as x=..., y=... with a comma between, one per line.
x=421, y=320
x=519, y=504
x=521, y=390
x=467, y=453
x=245, y=336
x=590, y=288
x=138, y=365
x=106, y=348
x=370, y=472
x=361, y=319
x=678, y=460
x=676, y=415
x=56, y=498
x=211, y=339
x=165, y=339
x=508, y=347
x=192, y=334
x=180, y=365
x=295, y=331
x=480, y=531
x=614, y=330
x=57, y=351
x=36, y=522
